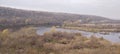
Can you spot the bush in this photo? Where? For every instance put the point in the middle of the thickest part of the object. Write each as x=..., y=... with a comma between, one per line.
x=26, y=41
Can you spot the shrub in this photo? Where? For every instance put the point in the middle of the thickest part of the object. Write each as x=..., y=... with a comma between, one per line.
x=26, y=41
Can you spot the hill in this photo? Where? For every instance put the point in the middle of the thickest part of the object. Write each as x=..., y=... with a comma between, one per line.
x=12, y=16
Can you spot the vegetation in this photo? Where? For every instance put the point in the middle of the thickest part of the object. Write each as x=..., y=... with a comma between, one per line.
x=26, y=41
x=92, y=27
x=10, y=17
x=22, y=38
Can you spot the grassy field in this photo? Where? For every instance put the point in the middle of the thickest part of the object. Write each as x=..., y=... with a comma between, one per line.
x=26, y=41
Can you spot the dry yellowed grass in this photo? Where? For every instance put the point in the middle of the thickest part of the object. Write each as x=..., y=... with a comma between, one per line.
x=26, y=41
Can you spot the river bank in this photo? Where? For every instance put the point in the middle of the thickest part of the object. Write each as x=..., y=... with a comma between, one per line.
x=92, y=29
x=55, y=41
x=112, y=36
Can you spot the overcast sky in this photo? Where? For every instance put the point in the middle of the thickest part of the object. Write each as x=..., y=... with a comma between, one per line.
x=106, y=8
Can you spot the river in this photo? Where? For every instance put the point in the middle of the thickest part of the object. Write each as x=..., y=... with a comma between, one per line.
x=112, y=36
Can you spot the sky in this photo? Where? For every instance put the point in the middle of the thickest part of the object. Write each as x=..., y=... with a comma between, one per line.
x=105, y=8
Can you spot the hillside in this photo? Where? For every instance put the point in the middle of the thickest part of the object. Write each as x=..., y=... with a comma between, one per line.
x=11, y=16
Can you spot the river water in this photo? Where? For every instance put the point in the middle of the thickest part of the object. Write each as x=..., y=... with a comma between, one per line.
x=113, y=36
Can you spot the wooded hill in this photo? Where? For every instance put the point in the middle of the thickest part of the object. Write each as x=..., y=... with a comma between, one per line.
x=18, y=17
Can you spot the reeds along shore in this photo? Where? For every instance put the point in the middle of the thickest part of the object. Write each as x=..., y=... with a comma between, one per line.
x=26, y=41
x=93, y=27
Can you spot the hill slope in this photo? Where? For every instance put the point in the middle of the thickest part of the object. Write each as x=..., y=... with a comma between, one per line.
x=11, y=16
